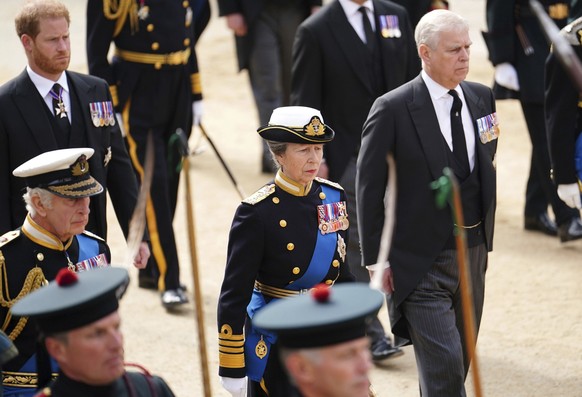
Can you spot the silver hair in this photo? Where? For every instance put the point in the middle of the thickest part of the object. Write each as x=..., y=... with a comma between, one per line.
x=46, y=199
x=277, y=149
x=432, y=24
x=313, y=355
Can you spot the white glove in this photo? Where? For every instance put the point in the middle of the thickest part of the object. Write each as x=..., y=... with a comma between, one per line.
x=120, y=123
x=235, y=386
x=198, y=111
x=570, y=194
x=506, y=76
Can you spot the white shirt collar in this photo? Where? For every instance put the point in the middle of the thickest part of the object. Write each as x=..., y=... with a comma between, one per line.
x=351, y=8
x=436, y=90
x=44, y=85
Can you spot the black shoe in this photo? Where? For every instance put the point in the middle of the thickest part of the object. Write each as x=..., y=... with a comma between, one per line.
x=571, y=230
x=541, y=223
x=383, y=350
x=173, y=298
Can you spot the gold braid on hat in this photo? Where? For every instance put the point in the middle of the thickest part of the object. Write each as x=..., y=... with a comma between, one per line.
x=118, y=10
x=34, y=280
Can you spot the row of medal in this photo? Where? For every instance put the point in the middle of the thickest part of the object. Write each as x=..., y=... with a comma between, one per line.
x=389, y=27
x=102, y=113
x=332, y=217
x=488, y=127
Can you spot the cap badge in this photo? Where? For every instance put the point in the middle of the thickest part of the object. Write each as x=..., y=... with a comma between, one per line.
x=80, y=167
x=315, y=127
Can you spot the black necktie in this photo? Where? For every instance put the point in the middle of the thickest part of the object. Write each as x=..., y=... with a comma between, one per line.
x=459, y=143
x=370, y=36
x=61, y=116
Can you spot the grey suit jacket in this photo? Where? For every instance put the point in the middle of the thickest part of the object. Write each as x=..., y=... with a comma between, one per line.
x=403, y=122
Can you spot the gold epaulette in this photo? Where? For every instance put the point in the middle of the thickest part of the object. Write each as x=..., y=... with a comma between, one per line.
x=8, y=237
x=573, y=32
x=118, y=11
x=329, y=183
x=230, y=348
x=260, y=194
x=93, y=235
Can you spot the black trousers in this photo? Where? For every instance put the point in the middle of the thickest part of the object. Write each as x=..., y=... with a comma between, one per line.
x=160, y=103
x=541, y=191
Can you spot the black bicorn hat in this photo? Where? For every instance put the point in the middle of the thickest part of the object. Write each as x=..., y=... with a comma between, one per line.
x=74, y=300
x=63, y=172
x=325, y=317
x=296, y=124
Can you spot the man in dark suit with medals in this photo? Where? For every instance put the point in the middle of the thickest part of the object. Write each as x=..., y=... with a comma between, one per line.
x=52, y=237
x=435, y=121
x=338, y=51
x=80, y=327
x=47, y=107
x=155, y=85
x=518, y=49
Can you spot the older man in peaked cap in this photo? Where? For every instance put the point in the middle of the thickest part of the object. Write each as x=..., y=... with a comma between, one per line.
x=52, y=237
x=77, y=315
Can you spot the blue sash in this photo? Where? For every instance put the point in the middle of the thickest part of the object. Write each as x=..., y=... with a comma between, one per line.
x=88, y=247
x=323, y=253
x=89, y=256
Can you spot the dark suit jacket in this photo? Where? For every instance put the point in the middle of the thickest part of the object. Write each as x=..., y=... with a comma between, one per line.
x=251, y=10
x=25, y=132
x=403, y=122
x=330, y=73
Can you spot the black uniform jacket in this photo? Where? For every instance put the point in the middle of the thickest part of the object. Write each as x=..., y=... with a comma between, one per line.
x=563, y=110
x=251, y=9
x=28, y=260
x=167, y=28
x=25, y=132
x=331, y=72
x=131, y=384
x=515, y=36
x=271, y=240
x=403, y=122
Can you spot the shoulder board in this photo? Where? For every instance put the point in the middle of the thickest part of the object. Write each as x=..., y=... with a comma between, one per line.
x=572, y=32
x=92, y=235
x=329, y=183
x=260, y=194
x=8, y=237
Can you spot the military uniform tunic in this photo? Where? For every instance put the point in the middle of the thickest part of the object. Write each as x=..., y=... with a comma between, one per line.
x=131, y=384
x=29, y=257
x=271, y=244
x=154, y=80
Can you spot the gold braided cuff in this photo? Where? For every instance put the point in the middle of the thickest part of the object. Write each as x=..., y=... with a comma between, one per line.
x=230, y=348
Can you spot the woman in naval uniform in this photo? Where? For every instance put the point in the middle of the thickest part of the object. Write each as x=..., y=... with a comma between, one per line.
x=286, y=238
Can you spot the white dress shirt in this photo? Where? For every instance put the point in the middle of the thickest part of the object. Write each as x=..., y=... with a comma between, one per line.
x=355, y=17
x=442, y=102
